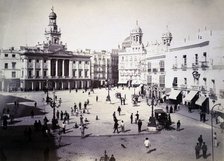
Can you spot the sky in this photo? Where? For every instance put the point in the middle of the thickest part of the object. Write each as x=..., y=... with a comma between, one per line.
x=103, y=24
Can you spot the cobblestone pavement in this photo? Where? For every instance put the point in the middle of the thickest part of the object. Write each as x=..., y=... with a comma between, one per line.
x=170, y=145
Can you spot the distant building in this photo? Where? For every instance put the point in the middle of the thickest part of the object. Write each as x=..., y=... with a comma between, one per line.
x=130, y=56
x=100, y=68
x=195, y=70
x=10, y=70
x=114, y=67
x=155, y=65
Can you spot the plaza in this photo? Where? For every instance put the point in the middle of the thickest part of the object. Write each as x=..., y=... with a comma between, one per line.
x=169, y=144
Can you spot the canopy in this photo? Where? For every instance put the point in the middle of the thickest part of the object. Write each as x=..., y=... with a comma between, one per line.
x=190, y=96
x=174, y=94
x=200, y=100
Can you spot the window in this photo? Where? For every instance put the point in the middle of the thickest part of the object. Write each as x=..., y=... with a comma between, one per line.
x=30, y=74
x=37, y=74
x=86, y=62
x=80, y=73
x=74, y=73
x=30, y=60
x=13, y=74
x=175, y=82
x=37, y=60
x=6, y=65
x=13, y=65
x=13, y=55
x=196, y=59
x=45, y=61
x=45, y=73
x=86, y=73
x=80, y=62
x=73, y=62
x=6, y=55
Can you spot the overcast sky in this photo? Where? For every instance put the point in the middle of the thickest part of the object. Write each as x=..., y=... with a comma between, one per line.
x=103, y=24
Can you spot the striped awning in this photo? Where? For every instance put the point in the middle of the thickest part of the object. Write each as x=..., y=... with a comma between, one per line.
x=174, y=94
x=200, y=100
x=190, y=96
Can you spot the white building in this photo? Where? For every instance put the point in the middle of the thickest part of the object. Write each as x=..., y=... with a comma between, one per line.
x=130, y=56
x=195, y=69
x=10, y=70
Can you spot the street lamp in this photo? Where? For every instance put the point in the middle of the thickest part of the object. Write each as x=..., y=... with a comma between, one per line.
x=54, y=105
x=218, y=104
x=108, y=95
x=47, y=98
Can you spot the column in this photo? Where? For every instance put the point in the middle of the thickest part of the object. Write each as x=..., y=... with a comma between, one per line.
x=56, y=68
x=32, y=86
x=49, y=68
x=25, y=68
x=40, y=85
x=63, y=68
x=70, y=69
x=34, y=68
x=69, y=85
x=41, y=68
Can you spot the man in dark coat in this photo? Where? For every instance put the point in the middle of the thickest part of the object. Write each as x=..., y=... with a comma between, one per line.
x=200, y=140
x=131, y=117
x=139, y=125
x=116, y=126
x=197, y=150
x=119, y=110
x=204, y=150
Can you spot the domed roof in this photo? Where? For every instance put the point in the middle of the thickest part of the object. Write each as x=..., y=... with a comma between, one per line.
x=167, y=34
x=52, y=15
x=137, y=29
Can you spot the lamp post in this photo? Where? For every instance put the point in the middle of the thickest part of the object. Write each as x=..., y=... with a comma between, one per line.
x=47, y=98
x=212, y=129
x=54, y=105
x=108, y=95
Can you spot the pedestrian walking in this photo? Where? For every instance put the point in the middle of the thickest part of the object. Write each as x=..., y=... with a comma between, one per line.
x=136, y=117
x=197, y=150
x=114, y=115
x=139, y=125
x=35, y=104
x=178, y=125
x=119, y=110
x=171, y=109
x=200, y=140
x=63, y=127
x=116, y=126
x=131, y=117
x=82, y=129
x=72, y=112
x=147, y=143
x=122, y=126
x=80, y=105
x=62, y=115
x=204, y=150
x=81, y=119
x=96, y=98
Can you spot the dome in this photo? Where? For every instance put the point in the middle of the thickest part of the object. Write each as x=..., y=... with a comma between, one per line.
x=167, y=34
x=137, y=29
x=52, y=15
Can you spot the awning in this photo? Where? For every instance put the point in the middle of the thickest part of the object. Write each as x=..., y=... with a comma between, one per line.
x=174, y=94
x=200, y=100
x=221, y=107
x=190, y=95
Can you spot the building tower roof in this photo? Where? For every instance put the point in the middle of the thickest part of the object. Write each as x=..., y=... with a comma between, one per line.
x=52, y=15
x=137, y=29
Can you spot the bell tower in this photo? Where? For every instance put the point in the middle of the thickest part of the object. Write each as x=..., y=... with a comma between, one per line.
x=52, y=33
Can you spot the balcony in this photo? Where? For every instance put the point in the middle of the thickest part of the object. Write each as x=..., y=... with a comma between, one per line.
x=195, y=87
x=184, y=67
x=195, y=66
x=204, y=65
x=174, y=67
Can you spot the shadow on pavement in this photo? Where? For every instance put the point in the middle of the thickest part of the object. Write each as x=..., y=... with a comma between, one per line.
x=17, y=147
